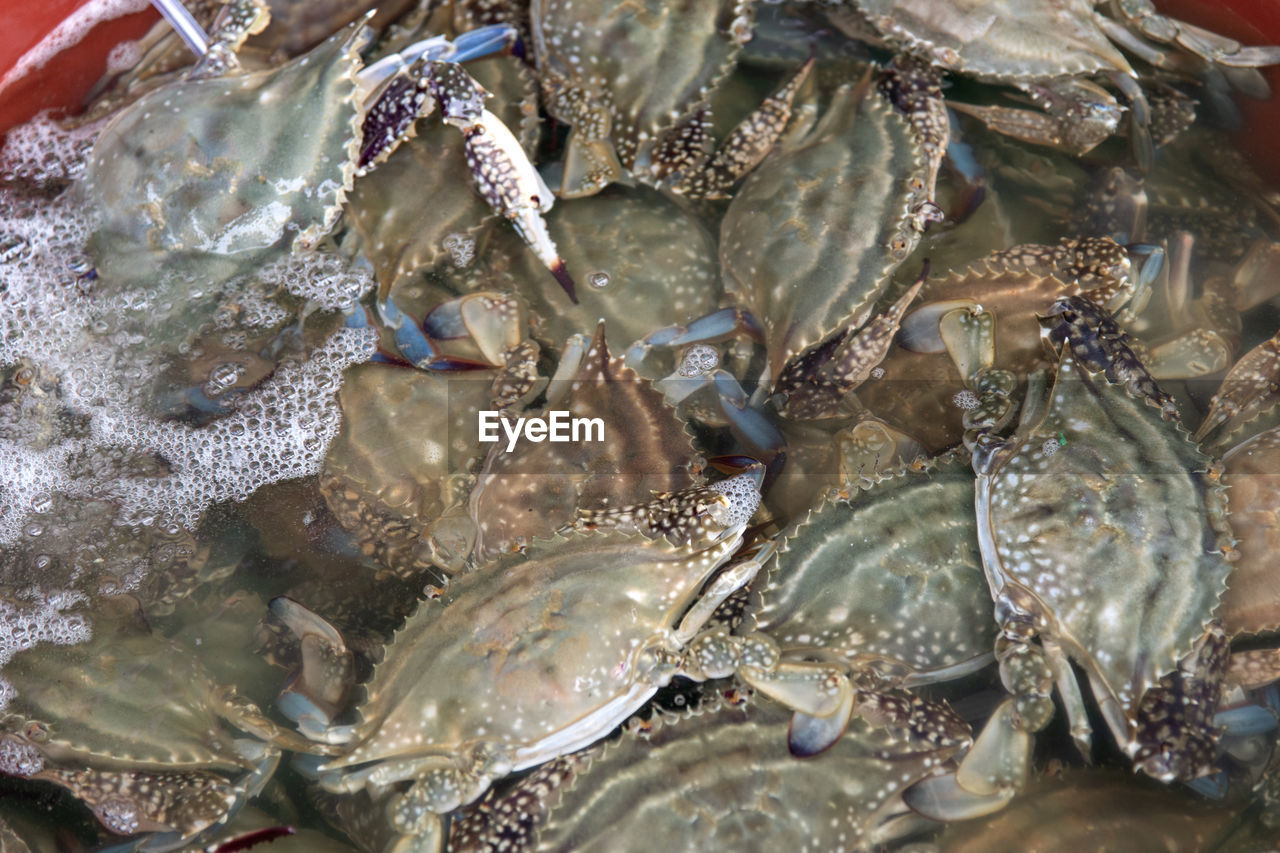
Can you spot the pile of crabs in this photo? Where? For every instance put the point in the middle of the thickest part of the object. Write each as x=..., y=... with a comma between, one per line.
x=936, y=500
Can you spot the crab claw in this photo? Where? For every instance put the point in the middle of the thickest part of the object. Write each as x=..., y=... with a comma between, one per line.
x=566, y=281
x=316, y=693
x=512, y=187
x=810, y=735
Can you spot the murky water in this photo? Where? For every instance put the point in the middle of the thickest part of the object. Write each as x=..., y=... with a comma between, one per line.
x=225, y=485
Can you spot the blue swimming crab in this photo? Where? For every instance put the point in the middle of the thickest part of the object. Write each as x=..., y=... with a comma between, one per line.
x=210, y=176
x=1242, y=418
x=135, y=728
x=404, y=231
x=859, y=579
x=530, y=489
x=1180, y=337
x=633, y=80
x=399, y=471
x=722, y=778
x=1050, y=50
x=543, y=652
x=1111, y=553
x=849, y=196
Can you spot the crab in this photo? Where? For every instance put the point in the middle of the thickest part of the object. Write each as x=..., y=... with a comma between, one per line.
x=851, y=195
x=863, y=168
x=404, y=231
x=721, y=777
x=1242, y=417
x=531, y=489
x=646, y=260
x=632, y=79
x=398, y=472
x=1075, y=554
x=404, y=491
x=1181, y=338
x=137, y=730
x=859, y=580
x=448, y=709
x=209, y=177
x=1049, y=49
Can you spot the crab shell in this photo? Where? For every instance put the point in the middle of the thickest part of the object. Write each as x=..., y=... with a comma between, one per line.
x=401, y=458
x=624, y=74
x=725, y=780
x=812, y=237
x=534, y=489
x=537, y=654
x=1000, y=40
x=647, y=263
x=863, y=578
x=137, y=734
x=212, y=177
x=1100, y=518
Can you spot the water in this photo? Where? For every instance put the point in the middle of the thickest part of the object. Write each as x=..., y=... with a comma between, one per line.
x=185, y=437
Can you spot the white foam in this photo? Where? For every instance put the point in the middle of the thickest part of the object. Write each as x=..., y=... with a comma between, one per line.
x=19, y=759
x=281, y=431
x=42, y=622
x=28, y=475
x=72, y=431
x=41, y=150
x=124, y=56
x=322, y=278
x=743, y=500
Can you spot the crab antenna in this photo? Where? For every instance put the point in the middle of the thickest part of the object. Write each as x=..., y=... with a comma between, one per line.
x=185, y=25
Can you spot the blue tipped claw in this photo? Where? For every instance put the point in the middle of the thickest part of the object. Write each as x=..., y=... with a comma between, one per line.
x=1148, y=258
x=483, y=42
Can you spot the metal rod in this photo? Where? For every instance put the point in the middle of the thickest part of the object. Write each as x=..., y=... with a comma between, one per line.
x=185, y=25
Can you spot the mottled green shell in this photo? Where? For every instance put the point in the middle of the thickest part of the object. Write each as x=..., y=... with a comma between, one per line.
x=646, y=65
x=1100, y=518
x=808, y=242
x=999, y=39
x=404, y=433
x=535, y=488
x=130, y=703
x=891, y=577
x=727, y=781
x=641, y=261
x=211, y=177
x=525, y=654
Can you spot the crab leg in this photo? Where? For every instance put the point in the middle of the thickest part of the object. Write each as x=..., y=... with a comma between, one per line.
x=743, y=149
x=473, y=44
